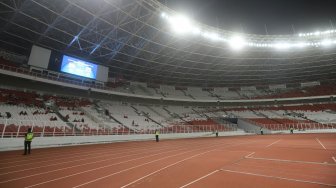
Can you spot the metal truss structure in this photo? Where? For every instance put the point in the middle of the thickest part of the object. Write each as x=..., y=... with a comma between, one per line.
x=130, y=38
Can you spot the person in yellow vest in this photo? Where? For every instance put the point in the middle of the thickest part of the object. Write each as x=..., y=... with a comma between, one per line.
x=29, y=136
x=157, y=135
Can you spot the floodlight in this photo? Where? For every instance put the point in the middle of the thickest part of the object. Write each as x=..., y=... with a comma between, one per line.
x=282, y=45
x=237, y=42
x=214, y=36
x=326, y=42
x=196, y=31
x=180, y=24
x=317, y=33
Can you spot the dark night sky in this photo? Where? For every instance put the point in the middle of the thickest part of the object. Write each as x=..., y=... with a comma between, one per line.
x=250, y=16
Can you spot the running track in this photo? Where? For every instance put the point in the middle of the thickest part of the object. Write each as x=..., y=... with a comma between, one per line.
x=245, y=161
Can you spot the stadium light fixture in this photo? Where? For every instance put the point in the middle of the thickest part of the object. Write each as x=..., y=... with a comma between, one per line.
x=163, y=15
x=237, y=42
x=282, y=45
x=196, y=31
x=326, y=42
x=180, y=24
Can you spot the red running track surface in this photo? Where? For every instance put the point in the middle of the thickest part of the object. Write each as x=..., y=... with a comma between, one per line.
x=305, y=160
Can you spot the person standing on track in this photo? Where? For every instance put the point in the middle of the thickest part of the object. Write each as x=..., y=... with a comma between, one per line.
x=291, y=130
x=216, y=133
x=157, y=135
x=261, y=131
x=29, y=136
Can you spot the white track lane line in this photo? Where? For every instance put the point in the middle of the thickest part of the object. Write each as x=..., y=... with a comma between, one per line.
x=278, y=177
x=226, y=146
x=334, y=159
x=105, y=156
x=273, y=143
x=186, y=185
x=108, y=153
x=61, y=157
x=143, y=177
x=291, y=161
x=63, y=177
x=82, y=172
x=320, y=143
x=161, y=170
x=74, y=166
x=249, y=155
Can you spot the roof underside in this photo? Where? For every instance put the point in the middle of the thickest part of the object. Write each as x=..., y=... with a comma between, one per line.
x=131, y=39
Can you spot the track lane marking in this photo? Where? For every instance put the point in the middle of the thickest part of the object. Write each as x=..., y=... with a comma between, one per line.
x=172, y=165
x=232, y=144
x=63, y=177
x=186, y=185
x=60, y=169
x=320, y=143
x=128, y=151
x=334, y=159
x=278, y=177
x=249, y=155
x=291, y=161
x=143, y=177
x=273, y=143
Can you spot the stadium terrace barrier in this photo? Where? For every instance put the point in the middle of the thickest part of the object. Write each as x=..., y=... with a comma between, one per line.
x=10, y=128
x=43, y=142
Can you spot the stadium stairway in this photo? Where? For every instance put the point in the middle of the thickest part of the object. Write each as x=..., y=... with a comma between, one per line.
x=136, y=110
x=156, y=112
x=226, y=124
x=60, y=116
x=142, y=88
x=200, y=113
x=153, y=120
x=89, y=115
x=250, y=126
x=214, y=95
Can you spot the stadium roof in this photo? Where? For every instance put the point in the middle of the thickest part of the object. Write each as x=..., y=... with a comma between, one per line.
x=132, y=38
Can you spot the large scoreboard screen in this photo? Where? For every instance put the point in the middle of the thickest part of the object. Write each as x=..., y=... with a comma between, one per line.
x=78, y=67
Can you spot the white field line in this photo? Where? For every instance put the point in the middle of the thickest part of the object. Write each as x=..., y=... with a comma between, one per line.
x=291, y=161
x=281, y=178
x=320, y=143
x=273, y=143
x=249, y=155
x=98, y=155
x=69, y=167
x=334, y=159
x=106, y=166
x=186, y=185
x=143, y=177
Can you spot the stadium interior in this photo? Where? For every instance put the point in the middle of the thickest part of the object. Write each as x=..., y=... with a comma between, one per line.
x=83, y=72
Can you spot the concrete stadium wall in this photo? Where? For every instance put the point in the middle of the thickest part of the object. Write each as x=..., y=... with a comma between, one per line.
x=44, y=142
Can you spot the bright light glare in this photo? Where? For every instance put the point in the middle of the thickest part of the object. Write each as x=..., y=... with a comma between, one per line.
x=237, y=42
x=196, y=31
x=183, y=25
x=282, y=45
x=326, y=42
x=180, y=24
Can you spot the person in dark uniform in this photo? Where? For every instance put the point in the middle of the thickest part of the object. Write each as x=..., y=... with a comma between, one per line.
x=29, y=136
x=157, y=135
x=291, y=130
x=216, y=133
x=261, y=131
